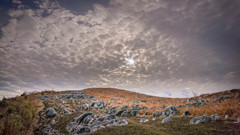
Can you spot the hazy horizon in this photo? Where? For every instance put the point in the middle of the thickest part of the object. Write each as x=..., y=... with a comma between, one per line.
x=157, y=47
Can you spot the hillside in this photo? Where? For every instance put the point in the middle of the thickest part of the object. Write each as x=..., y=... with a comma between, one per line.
x=114, y=111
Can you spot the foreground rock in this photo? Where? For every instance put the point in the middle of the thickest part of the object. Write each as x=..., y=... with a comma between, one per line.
x=200, y=119
x=166, y=120
x=88, y=123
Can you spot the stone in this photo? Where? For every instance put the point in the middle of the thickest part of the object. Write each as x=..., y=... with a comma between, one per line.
x=82, y=130
x=39, y=97
x=166, y=120
x=99, y=105
x=80, y=118
x=71, y=126
x=162, y=106
x=157, y=114
x=87, y=120
x=200, y=119
x=122, y=123
x=53, y=122
x=186, y=113
x=56, y=98
x=50, y=112
x=96, y=125
x=86, y=107
x=215, y=117
x=238, y=120
x=47, y=130
x=169, y=111
x=226, y=117
x=92, y=104
x=219, y=99
x=143, y=120
x=65, y=111
x=134, y=113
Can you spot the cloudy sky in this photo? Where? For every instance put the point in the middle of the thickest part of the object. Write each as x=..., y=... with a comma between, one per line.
x=157, y=47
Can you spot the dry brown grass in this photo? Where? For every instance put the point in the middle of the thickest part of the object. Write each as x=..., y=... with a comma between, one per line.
x=229, y=107
x=18, y=115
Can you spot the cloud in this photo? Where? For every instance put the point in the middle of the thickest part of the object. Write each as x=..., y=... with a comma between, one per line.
x=53, y=46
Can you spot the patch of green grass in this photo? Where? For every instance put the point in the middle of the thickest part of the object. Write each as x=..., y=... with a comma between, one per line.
x=179, y=126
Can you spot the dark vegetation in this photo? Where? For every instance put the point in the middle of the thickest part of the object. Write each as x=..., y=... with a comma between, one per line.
x=17, y=114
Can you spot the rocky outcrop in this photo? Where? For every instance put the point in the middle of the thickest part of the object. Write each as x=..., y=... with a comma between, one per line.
x=88, y=123
x=171, y=110
x=200, y=119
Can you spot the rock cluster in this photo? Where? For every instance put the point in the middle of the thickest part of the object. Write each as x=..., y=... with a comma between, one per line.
x=88, y=123
x=98, y=104
x=124, y=111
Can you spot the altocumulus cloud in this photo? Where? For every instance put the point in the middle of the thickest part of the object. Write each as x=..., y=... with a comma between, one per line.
x=156, y=47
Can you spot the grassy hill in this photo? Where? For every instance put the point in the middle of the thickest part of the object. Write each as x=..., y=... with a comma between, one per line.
x=26, y=114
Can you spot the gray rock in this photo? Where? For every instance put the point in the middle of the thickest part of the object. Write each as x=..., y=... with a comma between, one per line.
x=87, y=120
x=186, y=113
x=47, y=130
x=50, y=112
x=226, y=117
x=96, y=125
x=99, y=105
x=92, y=104
x=171, y=110
x=219, y=99
x=143, y=120
x=110, y=110
x=215, y=117
x=71, y=126
x=65, y=111
x=53, y=122
x=166, y=120
x=162, y=106
x=86, y=107
x=122, y=123
x=80, y=118
x=200, y=119
x=236, y=96
x=157, y=114
x=82, y=130
x=39, y=97
x=134, y=113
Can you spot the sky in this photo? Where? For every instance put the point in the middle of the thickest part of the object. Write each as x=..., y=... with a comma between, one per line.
x=167, y=48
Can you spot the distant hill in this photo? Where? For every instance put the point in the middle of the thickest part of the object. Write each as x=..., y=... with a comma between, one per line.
x=115, y=111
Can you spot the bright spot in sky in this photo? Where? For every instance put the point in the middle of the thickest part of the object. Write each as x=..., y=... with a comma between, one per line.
x=129, y=61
